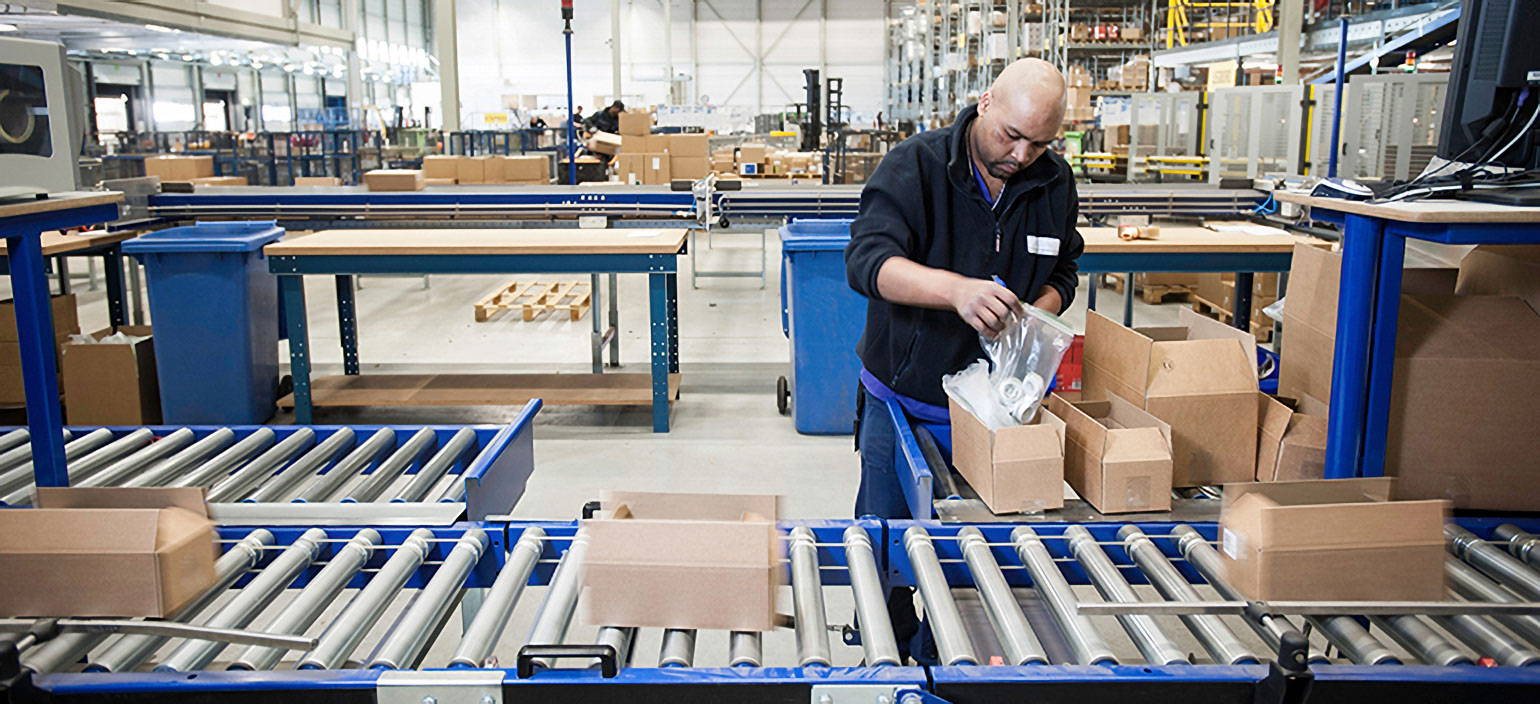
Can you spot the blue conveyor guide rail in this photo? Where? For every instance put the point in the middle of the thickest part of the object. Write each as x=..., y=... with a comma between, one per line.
x=302, y=474
x=1007, y=606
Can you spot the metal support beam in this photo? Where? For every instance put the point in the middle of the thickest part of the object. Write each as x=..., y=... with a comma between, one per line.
x=448, y=64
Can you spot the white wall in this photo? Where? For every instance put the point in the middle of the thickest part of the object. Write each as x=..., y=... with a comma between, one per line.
x=515, y=47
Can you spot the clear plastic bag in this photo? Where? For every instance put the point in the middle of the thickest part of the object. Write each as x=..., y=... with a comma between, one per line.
x=1025, y=356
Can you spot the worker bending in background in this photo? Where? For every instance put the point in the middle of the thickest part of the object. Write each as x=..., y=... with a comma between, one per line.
x=606, y=120
x=946, y=214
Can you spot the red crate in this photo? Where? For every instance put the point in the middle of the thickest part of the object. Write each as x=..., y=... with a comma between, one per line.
x=1069, y=368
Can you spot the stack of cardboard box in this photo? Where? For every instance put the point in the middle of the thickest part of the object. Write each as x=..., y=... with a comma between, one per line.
x=519, y=170
x=1136, y=73
x=441, y=169
x=177, y=167
x=66, y=322
x=1078, y=98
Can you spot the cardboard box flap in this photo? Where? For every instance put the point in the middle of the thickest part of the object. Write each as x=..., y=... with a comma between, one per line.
x=1127, y=415
x=1334, y=491
x=1502, y=270
x=1201, y=367
x=1272, y=425
x=37, y=531
x=658, y=505
x=186, y=498
x=1137, y=444
x=1467, y=327
x=1081, y=424
x=670, y=544
x=1311, y=406
x=1030, y=441
x=1314, y=274
x=1351, y=525
x=1119, y=353
x=1201, y=327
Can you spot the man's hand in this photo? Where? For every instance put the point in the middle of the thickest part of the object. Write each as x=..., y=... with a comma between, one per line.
x=1049, y=299
x=984, y=305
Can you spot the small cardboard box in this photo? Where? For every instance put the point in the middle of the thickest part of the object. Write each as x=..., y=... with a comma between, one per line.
x=1116, y=456
x=1291, y=446
x=604, y=143
x=317, y=181
x=689, y=145
x=690, y=167
x=441, y=166
x=118, y=552
x=66, y=320
x=656, y=170
x=526, y=168
x=112, y=384
x=394, y=180
x=752, y=153
x=1011, y=469
x=634, y=143
x=1332, y=540
x=664, y=560
x=177, y=167
x=1200, y=377
x=635, y=122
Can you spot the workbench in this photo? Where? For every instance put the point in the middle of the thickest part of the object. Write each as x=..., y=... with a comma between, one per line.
x=1368, y=308
x=22, y=223
x=1190, y=249
x=347, y=253
x=97, y=243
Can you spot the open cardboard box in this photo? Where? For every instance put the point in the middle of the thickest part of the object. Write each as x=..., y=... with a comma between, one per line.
x=1200, y=377
x=1332, y=540
x=1013, y=469
x=1291, y=445
x=1117, y=457
x=106, y=552
x=678, y=560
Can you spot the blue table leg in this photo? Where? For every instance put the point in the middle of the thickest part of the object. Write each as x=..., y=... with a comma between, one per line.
x=1362, y=238
x=1242, y=312
x=614, y=297
x=112, y=261
x=673, y=322
x=597, y=341
x=347, y=321
x=1128, y=300
x=1092, y=283
x=293, y=290
x=657, y=287
x=40, y=375
x=1382, y=355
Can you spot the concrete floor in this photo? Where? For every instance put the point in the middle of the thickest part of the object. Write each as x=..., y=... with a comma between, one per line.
x=727, y=435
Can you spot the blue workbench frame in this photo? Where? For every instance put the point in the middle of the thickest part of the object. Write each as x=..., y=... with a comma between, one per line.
x=1243, y=264
x=1368, y=312
x=35, y=332
x=112, y=263
x=663, y=294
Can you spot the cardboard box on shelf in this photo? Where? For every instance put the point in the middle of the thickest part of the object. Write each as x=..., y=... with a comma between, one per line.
x=1291, y=446
x=1502, y=270
x=111, y=383
x=106, y=552
x=1199, y=377
x=533, y=167
x=1331, y=540
x=689, y=145
x=1131, y=34
x=690, y=167
x=1116, y=456
x=394, y=179
x=605, y=143
x=304, y=181
x=1011, y=469
x=630, y=168
x=751, y=153
x=636, y=122
x=695, y=561
x=656, y=169
x=1079, y=33
x=1166, y=278
x=440, y=166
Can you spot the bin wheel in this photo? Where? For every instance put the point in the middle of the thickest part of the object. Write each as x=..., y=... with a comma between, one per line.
x=285, y=386
x=782, y=396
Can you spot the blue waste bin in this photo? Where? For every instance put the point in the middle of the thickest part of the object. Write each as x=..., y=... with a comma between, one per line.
x=823, y=318
x=214, y=308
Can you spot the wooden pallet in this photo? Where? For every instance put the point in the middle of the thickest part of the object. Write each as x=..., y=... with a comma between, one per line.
x=1261, y=326
x=1151, y=294
x=535, y=297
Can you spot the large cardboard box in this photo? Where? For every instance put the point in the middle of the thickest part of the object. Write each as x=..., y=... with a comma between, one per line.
x=1332, y=540
x=697, y=561
x=1291, y=446
x=656, y=169
x=751, y=153
x=1199, y=377
x=1117, y=457
x=635, y=122
x=631, y=169
x=690, y=167
x=106, y=552
x=1502, y=270
x=441, y=166
x=394, y=179
x=1011, y=469
x=112, y=383
x=689, y=145
x=604, y=143
x=526, y=168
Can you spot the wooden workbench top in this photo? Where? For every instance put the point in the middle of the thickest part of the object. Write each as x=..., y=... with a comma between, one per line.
x=59, y=201
x=482, y=241
x=1429, y=211
x=1193, y=240
x=55, y=242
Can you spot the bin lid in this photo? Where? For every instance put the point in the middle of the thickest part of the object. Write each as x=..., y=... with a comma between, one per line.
x=207, y=237
x=820, y=243
x=815, y=235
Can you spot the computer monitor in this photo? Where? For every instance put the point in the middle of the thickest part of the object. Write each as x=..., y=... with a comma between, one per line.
x=1497, y=54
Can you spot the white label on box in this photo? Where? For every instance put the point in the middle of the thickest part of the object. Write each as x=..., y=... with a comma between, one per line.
x=1232, y=543
x=657, y=163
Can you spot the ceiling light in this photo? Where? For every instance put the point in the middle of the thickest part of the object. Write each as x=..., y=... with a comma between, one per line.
x=7, y=27
x=158, y=28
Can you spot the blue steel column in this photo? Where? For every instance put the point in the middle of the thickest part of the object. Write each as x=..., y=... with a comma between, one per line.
x=1242, y=312
x=1382, y=355
x=40, y=376
x=1362, y=238
x=347, y=321
x=293, y=289
x=657, y=288
x=1128, y=300
x=673, y=322
x=614, y=297
x=112, y=261
x=1093, y=279
x=597, y=342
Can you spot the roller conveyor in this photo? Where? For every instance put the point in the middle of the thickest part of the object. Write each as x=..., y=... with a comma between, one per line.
x=305, y=475
x=400, y=586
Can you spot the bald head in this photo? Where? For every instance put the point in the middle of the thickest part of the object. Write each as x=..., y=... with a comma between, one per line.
x=1018, y=117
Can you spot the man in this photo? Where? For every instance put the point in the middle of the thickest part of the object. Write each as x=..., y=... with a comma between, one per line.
x=606, y=120
x=947, y=214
